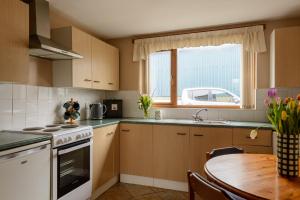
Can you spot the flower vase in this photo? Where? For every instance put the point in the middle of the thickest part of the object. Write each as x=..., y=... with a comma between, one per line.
x=288, y=154
x=146, y=114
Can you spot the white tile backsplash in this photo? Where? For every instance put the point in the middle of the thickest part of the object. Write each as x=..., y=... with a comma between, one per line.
x=258, y=114
x=19, y=91
x=25, y=105
x=6, y=91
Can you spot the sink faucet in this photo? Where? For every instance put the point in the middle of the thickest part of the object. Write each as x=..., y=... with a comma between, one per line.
x=197, y=117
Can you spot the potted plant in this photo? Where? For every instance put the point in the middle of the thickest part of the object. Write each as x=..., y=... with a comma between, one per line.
x=72, y=111
x=285, y=118
x=145, y=103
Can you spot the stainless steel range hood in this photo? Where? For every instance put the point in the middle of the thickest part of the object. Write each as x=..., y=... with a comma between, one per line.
x=40, y=44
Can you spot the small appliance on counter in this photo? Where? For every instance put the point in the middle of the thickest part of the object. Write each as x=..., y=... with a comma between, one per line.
x=97, y=110
x=114, y=108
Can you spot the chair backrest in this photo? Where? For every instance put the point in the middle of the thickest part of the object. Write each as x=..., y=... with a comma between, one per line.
x=204, y=189
x=223, y=151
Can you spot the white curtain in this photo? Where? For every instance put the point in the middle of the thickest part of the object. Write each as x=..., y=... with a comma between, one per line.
x=252, y=39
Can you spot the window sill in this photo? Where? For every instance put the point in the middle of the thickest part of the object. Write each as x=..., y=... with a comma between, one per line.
x=161, y=105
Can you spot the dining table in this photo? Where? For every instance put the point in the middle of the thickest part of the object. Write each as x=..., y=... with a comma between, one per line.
x=252, y=176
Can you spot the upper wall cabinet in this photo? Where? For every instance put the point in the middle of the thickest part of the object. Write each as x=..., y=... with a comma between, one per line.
x=99, y=67
x=285, y=57
x=14, y=38
x=105, y=65
x=76, y=72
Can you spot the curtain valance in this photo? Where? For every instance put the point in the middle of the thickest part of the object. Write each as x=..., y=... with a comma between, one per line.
x=252, y=38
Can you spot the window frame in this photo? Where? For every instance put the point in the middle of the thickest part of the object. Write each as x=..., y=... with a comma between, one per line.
x=173, y=90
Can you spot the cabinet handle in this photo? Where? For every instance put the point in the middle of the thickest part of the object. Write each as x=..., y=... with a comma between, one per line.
x=248, y=137
x=87, y=80
x=198, y=135
x=110, y=83
x=97, y=81
x=125, y=130
x=110, y=133
x=181, y=133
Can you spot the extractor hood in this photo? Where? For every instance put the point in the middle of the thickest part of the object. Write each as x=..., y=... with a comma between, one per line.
x=40, y=44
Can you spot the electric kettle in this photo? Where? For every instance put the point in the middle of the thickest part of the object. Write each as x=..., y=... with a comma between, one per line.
x=97, y=110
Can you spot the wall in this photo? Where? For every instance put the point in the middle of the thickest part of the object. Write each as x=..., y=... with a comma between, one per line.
x=130, y=108
x=25, y=105
x=129, y=83
x=130, y=70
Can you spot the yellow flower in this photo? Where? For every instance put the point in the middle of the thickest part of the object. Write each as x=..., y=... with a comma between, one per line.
x=283, y=115
x=292, y=104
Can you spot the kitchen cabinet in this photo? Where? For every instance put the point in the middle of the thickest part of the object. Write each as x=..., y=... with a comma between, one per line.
x=261, y=144
x=76, y=72
x=136, y=150
x=284, y=57
x=105, y=155
x=99, y=67
x=14, y=40
x=204, y=139
x=170, y=152
x=105, y=65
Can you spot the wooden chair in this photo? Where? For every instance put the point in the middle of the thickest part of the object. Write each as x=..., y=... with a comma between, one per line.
x=207, y=190
x=223, y=151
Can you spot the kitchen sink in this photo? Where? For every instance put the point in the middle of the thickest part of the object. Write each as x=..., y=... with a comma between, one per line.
x=216, y=122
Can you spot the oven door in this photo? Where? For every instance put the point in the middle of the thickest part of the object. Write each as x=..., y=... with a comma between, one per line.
x=73, y=166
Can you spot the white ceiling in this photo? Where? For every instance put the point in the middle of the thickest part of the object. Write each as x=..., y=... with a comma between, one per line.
x=122, y=18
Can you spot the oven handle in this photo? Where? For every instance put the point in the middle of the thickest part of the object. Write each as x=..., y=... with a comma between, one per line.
x=65, y=151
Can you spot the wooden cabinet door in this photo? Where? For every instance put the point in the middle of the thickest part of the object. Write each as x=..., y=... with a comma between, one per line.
x=100, y=72
x=82, y=68
x=112, y=60
x=285, y=59
x=204, y=139
x=103, y=155
x=14, y=40
x=116, y=142
x=170, y=152
x=136, y=150
x=105, y=65
x=261, y=144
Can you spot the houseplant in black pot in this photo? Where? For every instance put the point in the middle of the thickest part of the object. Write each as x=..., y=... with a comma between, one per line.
x=285, y=118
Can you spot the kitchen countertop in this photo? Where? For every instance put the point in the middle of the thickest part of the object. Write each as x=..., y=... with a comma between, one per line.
x=182, y=122
x=10, y=140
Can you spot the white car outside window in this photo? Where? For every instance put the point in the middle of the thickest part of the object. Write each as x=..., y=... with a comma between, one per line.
x=208, y=96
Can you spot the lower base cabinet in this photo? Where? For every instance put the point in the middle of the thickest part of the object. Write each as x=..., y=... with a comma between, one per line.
x=136, y=150
x=170, y=152
x=105, y=155
x=262, y=143
x=161, y=155
x=204, y=139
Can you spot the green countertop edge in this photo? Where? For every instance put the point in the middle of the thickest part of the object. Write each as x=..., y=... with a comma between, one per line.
x=8, y=146
x=232, y=124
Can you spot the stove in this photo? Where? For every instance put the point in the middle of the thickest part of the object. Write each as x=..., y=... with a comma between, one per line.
x=71, y=160
x=62, y=134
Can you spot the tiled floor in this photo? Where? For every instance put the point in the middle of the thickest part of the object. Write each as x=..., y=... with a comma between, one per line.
x=122, y=191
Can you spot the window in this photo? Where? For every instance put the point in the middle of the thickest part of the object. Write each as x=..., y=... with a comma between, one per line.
x=160, y=76
x=197, y=76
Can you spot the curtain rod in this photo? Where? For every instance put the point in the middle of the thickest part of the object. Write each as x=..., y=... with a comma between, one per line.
x=225, y=27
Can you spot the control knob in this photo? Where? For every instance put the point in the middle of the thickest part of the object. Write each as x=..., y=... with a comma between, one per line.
x=78, y=137
x=58, y=142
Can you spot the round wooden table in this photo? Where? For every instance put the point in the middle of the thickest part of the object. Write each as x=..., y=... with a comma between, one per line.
x=252, y=176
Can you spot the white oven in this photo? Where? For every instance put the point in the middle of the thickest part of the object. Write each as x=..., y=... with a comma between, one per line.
x=72, y=171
